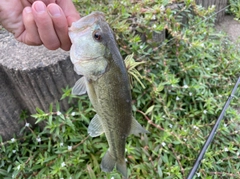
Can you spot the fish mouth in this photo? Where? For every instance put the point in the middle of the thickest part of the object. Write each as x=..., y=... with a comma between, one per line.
x=86, y=21
x=87, y=59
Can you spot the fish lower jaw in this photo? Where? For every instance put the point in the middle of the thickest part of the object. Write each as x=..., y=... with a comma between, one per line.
x=84, y=59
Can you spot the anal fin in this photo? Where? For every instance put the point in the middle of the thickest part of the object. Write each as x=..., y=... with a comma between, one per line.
x=136, y=128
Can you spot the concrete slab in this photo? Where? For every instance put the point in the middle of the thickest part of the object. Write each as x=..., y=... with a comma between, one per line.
x=30, y=77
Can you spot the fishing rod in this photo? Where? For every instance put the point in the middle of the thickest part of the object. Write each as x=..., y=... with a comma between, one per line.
x=212, y=134
x=215, y=127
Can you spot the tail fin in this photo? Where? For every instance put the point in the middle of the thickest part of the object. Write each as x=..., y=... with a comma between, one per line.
x=122, y=167
x=108, y=163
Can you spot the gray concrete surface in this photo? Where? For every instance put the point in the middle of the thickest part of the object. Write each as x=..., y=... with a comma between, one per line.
x=231, y=27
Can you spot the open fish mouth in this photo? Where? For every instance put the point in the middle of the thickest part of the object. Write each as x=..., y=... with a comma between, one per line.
x=83, y=29
x=87, y=59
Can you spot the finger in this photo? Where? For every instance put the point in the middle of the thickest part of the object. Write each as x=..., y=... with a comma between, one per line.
x=60, y=25
x=45, y=26
x=11, y=17
x=25, y=3
x=46, y=2
x=69, y=10
x=30, y=35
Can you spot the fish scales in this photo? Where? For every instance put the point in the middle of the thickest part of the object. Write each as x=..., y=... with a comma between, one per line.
x=96, y=56
x=114, y=99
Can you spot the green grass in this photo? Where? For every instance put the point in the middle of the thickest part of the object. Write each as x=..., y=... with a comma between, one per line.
x=235, y=8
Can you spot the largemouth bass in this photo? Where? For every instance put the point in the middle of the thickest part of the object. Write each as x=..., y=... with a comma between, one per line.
x=95, y=55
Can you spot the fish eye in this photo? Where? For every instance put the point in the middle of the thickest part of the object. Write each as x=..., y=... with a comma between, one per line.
x=97, y=36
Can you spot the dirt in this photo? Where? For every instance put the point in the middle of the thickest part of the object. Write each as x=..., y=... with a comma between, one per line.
x=231, y=27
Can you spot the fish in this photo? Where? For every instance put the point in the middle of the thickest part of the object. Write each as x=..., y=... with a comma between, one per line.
x=96, y=57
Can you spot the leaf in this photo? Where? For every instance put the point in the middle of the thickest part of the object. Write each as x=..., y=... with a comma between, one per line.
x=131, y=65
x=90, y=172
x=150, y=109
x=50, y=158
x=4, y=172
x=160, y=174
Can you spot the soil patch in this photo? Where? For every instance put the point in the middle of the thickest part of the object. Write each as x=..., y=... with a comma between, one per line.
x=231, y=27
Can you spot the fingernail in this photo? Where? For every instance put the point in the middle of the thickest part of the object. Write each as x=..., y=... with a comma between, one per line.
x=54, y=10
x=28, y=9
x=39, y=7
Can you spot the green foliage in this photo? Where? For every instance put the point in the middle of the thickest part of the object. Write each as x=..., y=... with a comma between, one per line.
x=235, y=8
x=131, y=65
x=187, y=79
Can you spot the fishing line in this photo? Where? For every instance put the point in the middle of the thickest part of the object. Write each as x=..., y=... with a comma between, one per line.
x=212, y=134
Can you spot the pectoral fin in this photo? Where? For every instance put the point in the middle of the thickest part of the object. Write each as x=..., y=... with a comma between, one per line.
x=136, y=128
x=95, y=127
x=79, y=88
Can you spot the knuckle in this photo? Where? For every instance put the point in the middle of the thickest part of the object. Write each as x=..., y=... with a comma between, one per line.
x=52, y=45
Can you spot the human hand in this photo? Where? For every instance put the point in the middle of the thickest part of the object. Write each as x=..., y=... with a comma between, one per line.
x=39, y=22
